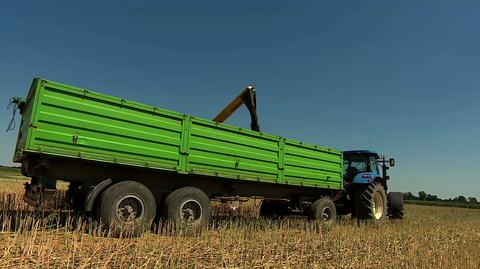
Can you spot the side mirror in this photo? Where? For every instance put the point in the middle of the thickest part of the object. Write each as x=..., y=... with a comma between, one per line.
x=391, y=162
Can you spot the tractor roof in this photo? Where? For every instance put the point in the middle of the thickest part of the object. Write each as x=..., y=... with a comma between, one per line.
x=364, y=152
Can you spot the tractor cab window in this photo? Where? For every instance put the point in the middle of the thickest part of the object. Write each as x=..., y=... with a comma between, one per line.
x=354, y=165
x=373, y=164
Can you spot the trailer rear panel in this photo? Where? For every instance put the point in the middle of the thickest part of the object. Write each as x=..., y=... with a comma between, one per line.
x=65, y=121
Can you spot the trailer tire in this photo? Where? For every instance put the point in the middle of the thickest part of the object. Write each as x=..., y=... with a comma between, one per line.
x=189, y=208
x=370, y=202
x=324, y=209
x=395, y=205
x=127, y=207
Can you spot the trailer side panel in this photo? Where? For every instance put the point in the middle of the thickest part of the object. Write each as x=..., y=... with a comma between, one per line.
x=78, y=123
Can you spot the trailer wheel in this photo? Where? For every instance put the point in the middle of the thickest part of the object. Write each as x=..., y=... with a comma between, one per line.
x=370, y=202
x=324, y=209
x=395, y=205
x=128, y=207
x=188, y=208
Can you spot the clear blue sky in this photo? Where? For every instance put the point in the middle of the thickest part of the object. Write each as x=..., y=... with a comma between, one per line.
x=400, y=77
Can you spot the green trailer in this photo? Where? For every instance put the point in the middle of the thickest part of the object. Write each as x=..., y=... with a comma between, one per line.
x=128, y=162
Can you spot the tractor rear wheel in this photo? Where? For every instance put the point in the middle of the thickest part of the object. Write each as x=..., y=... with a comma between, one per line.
x=370, y=202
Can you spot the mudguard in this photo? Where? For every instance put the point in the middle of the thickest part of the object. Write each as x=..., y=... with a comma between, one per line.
x=94, y=192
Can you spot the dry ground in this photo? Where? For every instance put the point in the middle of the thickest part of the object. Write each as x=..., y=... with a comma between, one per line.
x=429, y=237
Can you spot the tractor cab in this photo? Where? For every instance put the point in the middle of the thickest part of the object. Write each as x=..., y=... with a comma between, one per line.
x=365, y=166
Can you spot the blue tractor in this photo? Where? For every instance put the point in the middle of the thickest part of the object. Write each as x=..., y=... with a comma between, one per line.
x=365, y=181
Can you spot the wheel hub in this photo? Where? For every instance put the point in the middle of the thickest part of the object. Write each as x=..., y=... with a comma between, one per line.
x=190, y=211
x=377, y=205
x=326, y=214
x=130, y=208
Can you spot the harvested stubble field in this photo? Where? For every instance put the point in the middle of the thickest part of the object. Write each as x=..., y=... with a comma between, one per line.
x=429, y=237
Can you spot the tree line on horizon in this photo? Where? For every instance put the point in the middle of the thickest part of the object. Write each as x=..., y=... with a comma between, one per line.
x=423, y=196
